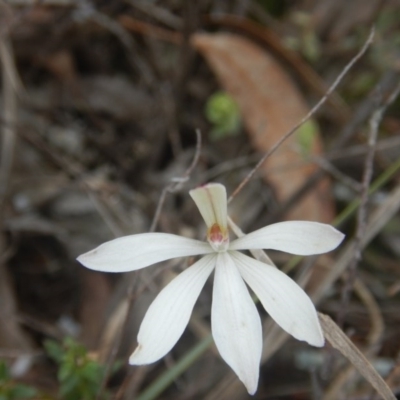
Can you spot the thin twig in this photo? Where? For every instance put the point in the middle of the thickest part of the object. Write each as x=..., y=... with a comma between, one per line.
x=350, y=152
x=176, y=183
x=159, y=13
x=374, y=336
x=85, y=9
x=10, y=116
x=374, y=123
x=307, y=116
x=328, y=167
x=361, y=114
x=12, y=334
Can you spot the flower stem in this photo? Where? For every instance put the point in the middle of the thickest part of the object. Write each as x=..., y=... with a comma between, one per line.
x=377, y=184
x=165, y=379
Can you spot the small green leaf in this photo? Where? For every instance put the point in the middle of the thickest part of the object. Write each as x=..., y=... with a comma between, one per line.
x=69, y=385
x=93, y=372
x=54, y=350
x=65, y=371
x=20, y=392
x=306, y=135
x=4, y=375
x=223, y=112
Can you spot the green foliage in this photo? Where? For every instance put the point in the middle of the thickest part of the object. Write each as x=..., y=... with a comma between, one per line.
x=361, y=85
x=223, y=112
x=305, y=137
x=385, y=51
x=10, y=390
x=80, y=376
x=306, y=40
x=276, y=8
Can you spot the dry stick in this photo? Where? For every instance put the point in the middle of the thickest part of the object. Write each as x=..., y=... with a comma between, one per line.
x=366, y=108
x=158, y=13
x=392, y=378
x=361, y=149
x=10, y=116
x=339, y=176
x=307, y=116
x=177, y=183
x=361, y=114
x=374, y=336
x=10, y=332
x=341, y=342
x=53, y=3
x=74, y=171
x=322, y=160
x=174, y=186
x=362, y=211
x=185, y=60
x=103, y=20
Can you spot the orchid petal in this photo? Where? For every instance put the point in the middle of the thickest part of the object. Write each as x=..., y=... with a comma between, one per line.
x=133, y=252
x=236, y=325
x=295, y=237
x=212, y=204
x=284, y=300
x=168, y=315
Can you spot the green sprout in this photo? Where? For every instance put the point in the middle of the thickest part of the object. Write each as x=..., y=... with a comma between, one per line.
x=11, y=390
x=306, y=136
x=80, y=376
x=223, y=113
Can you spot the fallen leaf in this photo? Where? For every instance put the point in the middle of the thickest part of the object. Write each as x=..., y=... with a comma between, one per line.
x=337, y=338
x=270, y=105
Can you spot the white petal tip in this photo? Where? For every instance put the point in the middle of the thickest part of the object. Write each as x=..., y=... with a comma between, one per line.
x=251, y=390
x=339, y=237
x=137, y=358
x=320, y=342
x=93, y=261
x=84, y=259
x=313, y=336
x=303, y=238
x=250, y=381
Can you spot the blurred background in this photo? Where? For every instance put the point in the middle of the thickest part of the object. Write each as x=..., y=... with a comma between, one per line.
x=100, y=103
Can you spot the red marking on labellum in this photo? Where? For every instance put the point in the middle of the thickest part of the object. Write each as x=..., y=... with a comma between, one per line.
x=215, y=234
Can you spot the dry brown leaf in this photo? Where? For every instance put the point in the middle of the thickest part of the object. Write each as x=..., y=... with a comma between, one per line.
x=270, y=105
x=268, y=39
x=341, y=342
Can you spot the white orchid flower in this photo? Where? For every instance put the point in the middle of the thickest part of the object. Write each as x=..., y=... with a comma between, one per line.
x=236, y=325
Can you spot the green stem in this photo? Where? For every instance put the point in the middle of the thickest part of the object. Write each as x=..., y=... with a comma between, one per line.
x=377, y=184
x=165, y=379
